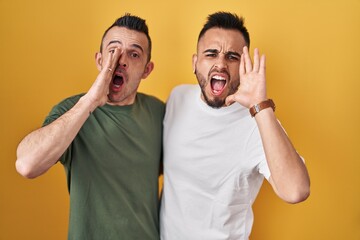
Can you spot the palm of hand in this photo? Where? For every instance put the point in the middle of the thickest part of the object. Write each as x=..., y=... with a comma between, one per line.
x=252, y=88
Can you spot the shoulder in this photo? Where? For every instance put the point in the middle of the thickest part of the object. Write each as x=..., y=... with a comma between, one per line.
x=70, y=101
x=184, y=88
x=152, y=103
x=182, y=92
x=61, y=108
x=150, y=99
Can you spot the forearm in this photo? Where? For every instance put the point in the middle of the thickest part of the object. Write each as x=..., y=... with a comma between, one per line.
x=289, y=176
x=42, y=148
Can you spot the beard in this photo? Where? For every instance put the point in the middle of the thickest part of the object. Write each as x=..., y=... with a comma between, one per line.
x=216, y=102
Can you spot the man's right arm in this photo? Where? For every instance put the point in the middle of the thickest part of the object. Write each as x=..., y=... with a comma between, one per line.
x=42, y=148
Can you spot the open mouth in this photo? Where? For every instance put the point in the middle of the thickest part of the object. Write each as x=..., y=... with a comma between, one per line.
x=218, y=84
x=118, y=81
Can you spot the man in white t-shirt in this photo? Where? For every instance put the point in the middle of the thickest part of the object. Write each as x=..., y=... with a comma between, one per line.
x=221, y=138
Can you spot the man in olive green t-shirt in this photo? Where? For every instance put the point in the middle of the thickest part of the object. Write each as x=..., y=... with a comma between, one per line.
x=109, y=141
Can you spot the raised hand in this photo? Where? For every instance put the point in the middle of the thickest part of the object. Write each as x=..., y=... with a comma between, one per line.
x=252, y=88
x=98, y=93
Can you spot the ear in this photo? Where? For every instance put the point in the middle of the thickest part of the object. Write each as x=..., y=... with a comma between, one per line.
x=148, y=69
x=194, y=60
x=98, y=60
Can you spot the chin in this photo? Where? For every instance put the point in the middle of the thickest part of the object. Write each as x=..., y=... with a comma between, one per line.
x=215, y=102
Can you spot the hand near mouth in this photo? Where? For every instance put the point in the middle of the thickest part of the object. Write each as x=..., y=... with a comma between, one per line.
x=98, y=93
x=252, y=88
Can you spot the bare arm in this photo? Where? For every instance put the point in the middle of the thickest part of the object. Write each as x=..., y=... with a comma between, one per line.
x=289, y=176
x=42, y=148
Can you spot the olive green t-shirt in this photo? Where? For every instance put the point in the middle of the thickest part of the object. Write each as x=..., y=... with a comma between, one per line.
x=112, y=169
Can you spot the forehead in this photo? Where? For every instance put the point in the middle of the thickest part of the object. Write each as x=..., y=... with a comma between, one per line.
x=222, y=39
x=126, y=37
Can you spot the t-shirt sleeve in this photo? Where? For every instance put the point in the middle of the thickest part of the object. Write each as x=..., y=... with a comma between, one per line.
x=56, y=112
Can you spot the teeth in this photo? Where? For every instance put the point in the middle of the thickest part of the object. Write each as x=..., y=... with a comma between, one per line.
x=218, y=78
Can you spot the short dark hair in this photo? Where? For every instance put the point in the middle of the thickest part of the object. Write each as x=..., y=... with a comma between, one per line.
x=133, y=23
x=226, y=20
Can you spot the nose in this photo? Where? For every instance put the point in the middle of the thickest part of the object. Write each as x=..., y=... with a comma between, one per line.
x=221, y=62
x=123, y=63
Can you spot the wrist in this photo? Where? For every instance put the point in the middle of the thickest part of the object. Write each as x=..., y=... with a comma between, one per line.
x=87, y=104
x=269, y=103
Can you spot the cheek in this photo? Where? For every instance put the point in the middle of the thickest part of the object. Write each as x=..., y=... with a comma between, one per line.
x=234, y=71
x=203, y=68
x=135, y=75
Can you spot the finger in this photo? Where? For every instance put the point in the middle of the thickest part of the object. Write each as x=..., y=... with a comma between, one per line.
x=112, y=60
x=262, y=67
x=107, y=63
x=115, y=58
x=242, y=65
x=248, y=65
x=256, y=60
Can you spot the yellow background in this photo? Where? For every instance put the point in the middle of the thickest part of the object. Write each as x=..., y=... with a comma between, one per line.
x=313, y=57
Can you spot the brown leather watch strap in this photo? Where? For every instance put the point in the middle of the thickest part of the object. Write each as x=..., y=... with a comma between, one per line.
x=261, y=106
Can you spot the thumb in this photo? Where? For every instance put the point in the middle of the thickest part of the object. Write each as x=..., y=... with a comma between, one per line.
x=230, y=100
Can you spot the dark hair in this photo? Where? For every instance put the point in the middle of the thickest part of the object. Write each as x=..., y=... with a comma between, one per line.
x=133, y=23
x=226, y=20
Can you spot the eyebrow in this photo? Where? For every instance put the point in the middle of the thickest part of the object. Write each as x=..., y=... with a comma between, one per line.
x=133, y=45
x=233, y=53
x=211, y=51
x=217, y=51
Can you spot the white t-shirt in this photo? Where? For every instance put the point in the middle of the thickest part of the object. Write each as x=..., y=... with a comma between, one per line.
x=214, y=166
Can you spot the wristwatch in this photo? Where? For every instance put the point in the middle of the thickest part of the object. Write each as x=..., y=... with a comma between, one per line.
x=261, y=106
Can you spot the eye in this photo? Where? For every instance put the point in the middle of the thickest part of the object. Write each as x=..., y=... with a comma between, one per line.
x=112, y=50
x=134, y=55
x=211, y=55
x=233, y=57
